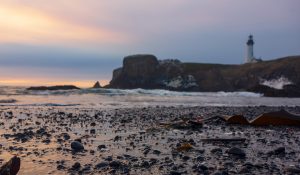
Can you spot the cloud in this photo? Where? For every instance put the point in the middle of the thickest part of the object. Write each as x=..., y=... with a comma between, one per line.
x=23, y=24
x=88, y=38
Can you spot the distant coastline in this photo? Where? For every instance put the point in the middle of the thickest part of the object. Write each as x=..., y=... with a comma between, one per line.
x=274, y=78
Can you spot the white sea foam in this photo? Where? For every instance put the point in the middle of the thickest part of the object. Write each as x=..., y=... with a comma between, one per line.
x=278, y=83
x=118, y=98
x=128, y=92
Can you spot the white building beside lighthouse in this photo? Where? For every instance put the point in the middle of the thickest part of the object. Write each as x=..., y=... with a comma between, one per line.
x=250, y=53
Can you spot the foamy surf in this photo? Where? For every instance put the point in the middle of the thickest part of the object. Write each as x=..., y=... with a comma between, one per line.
x=119, y=98
x=142, y=92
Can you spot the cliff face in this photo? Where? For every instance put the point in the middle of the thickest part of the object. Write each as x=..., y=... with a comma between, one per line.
x=138, y=71
x=145, y=71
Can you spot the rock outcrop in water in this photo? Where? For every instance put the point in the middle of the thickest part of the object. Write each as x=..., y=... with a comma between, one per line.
x=286, y=91
x=52, y=88
x=146, y=71
x=97, y=85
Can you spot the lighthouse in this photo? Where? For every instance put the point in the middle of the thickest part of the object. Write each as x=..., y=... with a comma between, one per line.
x=250, y=55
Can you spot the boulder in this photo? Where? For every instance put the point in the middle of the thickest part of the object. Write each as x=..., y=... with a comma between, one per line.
x=77, y=146
x=12, y=167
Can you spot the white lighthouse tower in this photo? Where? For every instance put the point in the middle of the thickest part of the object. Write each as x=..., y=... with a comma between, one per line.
x=250, y=54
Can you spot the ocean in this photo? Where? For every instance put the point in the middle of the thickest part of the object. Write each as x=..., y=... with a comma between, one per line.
x=120, y=98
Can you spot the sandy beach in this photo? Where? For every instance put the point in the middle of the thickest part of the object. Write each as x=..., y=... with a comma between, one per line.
x=75, y=140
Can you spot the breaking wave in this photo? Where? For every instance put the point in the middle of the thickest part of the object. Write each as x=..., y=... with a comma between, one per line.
x=123, y=92
x=278, y=83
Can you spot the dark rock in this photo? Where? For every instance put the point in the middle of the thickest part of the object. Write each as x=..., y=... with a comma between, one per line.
x=245, y=170
x=78, y=140
x=280, y=150
x=100, y=147
x=202, y=167
x=185, y=158
x=147, y=150
x=175, y=173
x=8, y=101
x=86, y=168
x=248, y=164
x=236, y=151
x=46, y=141
x=286, y=91
x=138, y=71
x=93, y=131
x=102, y=165
x=293, y=170
x=77, y=146
x=277, y=151
x=216, y=150
x=153, y=161
x=76, y=166
x=66, y=136
x=145, y=164
x=221, y=173
x=21, y=137
x=50, y=88
x=115, y=164
x=117, y=138
x=156, y=152
x=12, y=167
x=41, y=131
x=200, y=158
x=140, y=65
x=97, y=85
x=109, y=158
x=145, y=71
x=60, y=167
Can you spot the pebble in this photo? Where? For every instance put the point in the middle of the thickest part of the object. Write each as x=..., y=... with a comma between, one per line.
x=280, y=150
x=236, y=151
x=216, y=150
x=102, y=165
x=76, y=166
x=140, y=133
x=77, y=146
x=175, y=173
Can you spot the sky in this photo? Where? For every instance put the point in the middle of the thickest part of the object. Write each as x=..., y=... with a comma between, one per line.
x=79, y=42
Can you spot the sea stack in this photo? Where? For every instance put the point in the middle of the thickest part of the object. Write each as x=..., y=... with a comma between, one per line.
x=97, y=85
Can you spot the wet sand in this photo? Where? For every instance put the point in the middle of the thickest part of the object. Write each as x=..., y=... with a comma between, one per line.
x=133, y=141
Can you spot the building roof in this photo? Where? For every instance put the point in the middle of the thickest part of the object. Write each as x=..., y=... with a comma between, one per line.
x=250, y=40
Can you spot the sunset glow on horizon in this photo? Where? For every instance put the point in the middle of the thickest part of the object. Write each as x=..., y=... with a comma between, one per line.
x=27, y=25
x=48, y=82
x=78, y=42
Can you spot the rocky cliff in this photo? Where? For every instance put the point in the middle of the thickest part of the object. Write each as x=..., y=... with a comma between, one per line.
x=146, y=71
